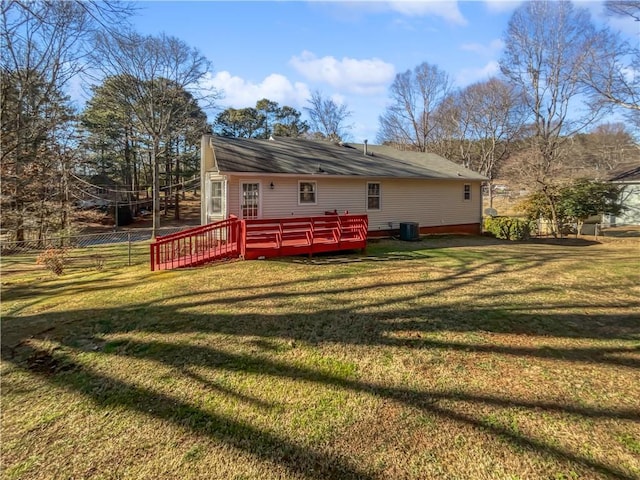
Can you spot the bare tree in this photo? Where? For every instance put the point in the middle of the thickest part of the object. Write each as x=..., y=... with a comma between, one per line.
x=624, y=8
x=547, y=48
x=327, y=117
x=613, y=72
x=44, y=46
x=604, y=149
x=154, y=71
x=415, y=96
x=492, y=115
x=450, y=136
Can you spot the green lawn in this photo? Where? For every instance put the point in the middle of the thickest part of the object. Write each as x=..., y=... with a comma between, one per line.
x=446, y=358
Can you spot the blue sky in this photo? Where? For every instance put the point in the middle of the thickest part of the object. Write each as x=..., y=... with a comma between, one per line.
x=349, y=51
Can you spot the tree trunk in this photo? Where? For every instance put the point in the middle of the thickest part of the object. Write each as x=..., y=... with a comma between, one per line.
x=176, y=211
x=128, y=164
x=490, y=186
x=65, y=200
x=167, y=176
x=136, y=174
x=555, y=226
x=156, y=187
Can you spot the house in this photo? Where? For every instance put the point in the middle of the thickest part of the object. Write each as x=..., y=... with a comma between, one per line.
x=628, y=177
x=293, y=177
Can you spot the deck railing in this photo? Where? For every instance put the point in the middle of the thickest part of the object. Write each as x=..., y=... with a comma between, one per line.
x=198, y=245
x=259, y=238
x=354, y=227
x=304, y=235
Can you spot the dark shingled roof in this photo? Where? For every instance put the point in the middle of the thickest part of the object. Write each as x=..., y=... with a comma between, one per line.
x=626, y=174
x=284, y=155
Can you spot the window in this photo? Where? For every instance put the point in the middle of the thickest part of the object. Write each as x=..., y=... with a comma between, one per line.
x=216, y=198
x=307, y=193
x=467, y=191
x=250, y=200
x=373, y=196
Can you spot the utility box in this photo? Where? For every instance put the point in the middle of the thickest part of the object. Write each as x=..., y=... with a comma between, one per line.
x=409, y=231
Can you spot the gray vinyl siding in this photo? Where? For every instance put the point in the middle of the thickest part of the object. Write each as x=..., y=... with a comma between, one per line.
x=427, y=202
x=630, y=198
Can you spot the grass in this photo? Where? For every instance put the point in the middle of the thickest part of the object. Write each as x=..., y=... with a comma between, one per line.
x=452, y=357
x=78, y=259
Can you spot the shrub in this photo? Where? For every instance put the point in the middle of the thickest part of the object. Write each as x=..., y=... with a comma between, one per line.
x=98, y=262
x=54, y=259
x=508, y=228
x=574, y=202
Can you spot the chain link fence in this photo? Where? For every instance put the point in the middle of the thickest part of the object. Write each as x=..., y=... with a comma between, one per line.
x=543, y=228
x=81, y=252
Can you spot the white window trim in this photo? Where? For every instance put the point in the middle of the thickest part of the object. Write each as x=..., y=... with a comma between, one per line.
x=379, y=197
x=315, y=191
x=242, y=182
x=223, y=197
x=208, y=215
x=464, y=191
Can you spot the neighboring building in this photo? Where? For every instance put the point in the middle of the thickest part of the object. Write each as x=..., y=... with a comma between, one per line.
x=285, y=177
x=629, y=179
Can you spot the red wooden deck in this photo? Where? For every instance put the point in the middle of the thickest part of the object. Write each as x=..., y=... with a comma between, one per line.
x=263, y=238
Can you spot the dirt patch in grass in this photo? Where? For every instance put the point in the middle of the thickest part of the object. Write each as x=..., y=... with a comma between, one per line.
x=453, y=357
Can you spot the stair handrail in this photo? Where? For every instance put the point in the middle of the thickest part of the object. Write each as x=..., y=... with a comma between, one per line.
x=174, y=251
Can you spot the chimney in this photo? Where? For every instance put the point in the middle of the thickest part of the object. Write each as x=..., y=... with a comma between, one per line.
x=365, y=147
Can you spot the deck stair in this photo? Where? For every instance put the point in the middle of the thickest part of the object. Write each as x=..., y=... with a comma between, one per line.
x=196, y=246
x=259, y=238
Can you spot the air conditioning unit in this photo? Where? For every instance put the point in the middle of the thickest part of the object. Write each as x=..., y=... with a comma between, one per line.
x=409, y=231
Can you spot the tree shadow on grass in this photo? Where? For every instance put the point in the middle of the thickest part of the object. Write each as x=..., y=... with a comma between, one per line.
x=175, y=355
x=69, y=284
x=339, y=322
x=452, y=241
x=383, y=251
x=348, y=328
x=108, y=392
x=346, y=322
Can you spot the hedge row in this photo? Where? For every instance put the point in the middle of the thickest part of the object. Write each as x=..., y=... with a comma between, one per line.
x=508, y=228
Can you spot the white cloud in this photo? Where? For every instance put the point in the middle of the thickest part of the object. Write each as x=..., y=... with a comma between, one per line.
x=630, y=74
x=493, y=48
x=501, y=6
x=468, y=76
x=365, y=77
x=596, y=8
x=627, y=26
x=339, y=99
x=240, y=93
x=447, y=10
x=78, y=90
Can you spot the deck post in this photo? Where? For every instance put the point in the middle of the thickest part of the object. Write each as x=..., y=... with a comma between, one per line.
x=153, y=257
x=242, y=238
